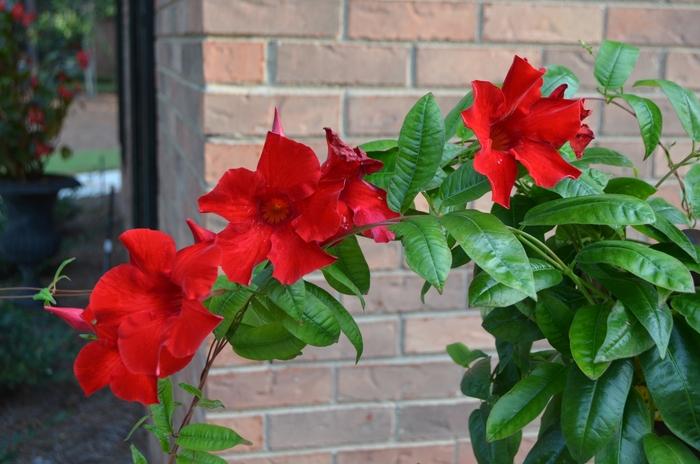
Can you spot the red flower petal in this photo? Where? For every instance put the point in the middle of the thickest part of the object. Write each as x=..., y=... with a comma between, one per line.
x=368, y=204
x=169, y=364
x=129, y=386
x=289, y=167
x=71, y=316
x=544, y=163
x=551, y=120
x=190, y=328
x=521, y=87
x=344, y=162
x=242, y=251
x=94, y=365
x=318, y=214
x=233, y=198
x=293, y=258
x=140, y=340
x=196, y=268
x=149, y=250
x=489, y=104
x=581, y=140
x=501, y=170
x=277, y=124
x=199, y=233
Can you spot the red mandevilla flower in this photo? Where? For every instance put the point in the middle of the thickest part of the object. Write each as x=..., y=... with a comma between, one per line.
x=64, y=92
x=82, y=58
x=17, y=12
x=35, y=116
x=42, y=149
x=516, y=124
x=28, y=19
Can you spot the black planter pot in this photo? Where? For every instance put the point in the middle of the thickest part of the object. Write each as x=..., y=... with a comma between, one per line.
x=29, y=236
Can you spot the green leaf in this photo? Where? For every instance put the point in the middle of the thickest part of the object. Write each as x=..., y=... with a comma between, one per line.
x=198, y=457
x=206, y=403
x=600, y=155
x=626, y=445
x=525, y=401
x=646, y=263
x=485, y=291
x=351, y=262
x=590, y=182
x=689, y=307
x=673, y=382
x=337, y=279
x=421, y=142
x=625, y=336
x=587, y=334
x=166, y=399
x=476, y=382
x=685, y=103
x=630, y=186
x=510, y=325
x=289, y=298
x=344, y=319
x=232, y=299
x=463, y=185
x=453, y=120
x=663, y=208
x=614, y=63
x=550, y=448
x=136, y=456
x=463, y=356
x=692, y=189
x=139, y=423
x=425, y=245
x=317, y=326
x=667, y=450
x=557, y=75
x=554, y=319
x=649, y=119
x=672, y=234
x=191, y=389
x=497, y=452
x=209, y=437
x=265, y=343
x=606, y=209
x=591, y=409
x=379, y=146
x=493, y=248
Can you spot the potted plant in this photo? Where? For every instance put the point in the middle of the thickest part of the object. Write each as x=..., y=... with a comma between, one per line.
x=34, y=99
x=592, y=267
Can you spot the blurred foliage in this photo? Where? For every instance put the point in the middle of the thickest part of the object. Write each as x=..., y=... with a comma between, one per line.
x=68, y=22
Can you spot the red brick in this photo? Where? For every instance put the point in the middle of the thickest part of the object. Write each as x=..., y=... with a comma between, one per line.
x=266, y=388
x=670, y=192
x=343, y=64
x=251, y=114
x=249, y=427
x=546, y=23
x=233, y=62
x=218, y=157
x=411, y=20
x=379, y=337
x=331, y=427
x=436, y=454
x=434, y=421
x=678, y=151
x=309, y=18
x=399, y=382
x=457, y=66
x=313, y=458
x=658, y=26
x=683, y=68
x=381, y=255
x=398, y=293
x=432, y=334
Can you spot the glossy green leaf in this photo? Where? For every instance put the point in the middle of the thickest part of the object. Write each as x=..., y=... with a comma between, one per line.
x=136, y=456
x=689, y=307
x=667, y=450
x=557, y=75
x=525, y=401
x=587, y=334
x=463, y=356
x=351, y=262
x=601, y=155
x=267, y=342
x=228, y=300
x=550, y=448
x=337, y=279
x=485, y=291
x=344, y=319
x=649, y=119
x=554, y=319
x=510, y=325
x=663, y=208
x=421, y=142
x=476, y=382
x=607, y=209
x=426, y=249
x=685, y=103
x=209, y=437
x=692, y=189
x=289, y=298
x=625, y=336
x=493, y=248
x=614, y=63
x=626, y=445
x=673, y=234
x=317, y=326
x=673, y=382
x=497, y=452
x=591, y=409
x=453, y=120
x=590, y=182
x=630, y=186
x=646, y=263
x=198, y=457
x=463, y=185
x=379, y=146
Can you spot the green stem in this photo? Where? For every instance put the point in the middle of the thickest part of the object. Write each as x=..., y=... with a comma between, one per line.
x=673, y=167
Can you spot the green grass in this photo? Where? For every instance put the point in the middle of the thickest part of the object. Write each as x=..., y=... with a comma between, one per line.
x=84, y=161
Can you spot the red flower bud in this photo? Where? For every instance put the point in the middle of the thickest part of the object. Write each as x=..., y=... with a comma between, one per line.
x=28, y=19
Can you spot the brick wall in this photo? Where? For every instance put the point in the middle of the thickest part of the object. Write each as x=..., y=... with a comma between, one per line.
x=358, y=66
